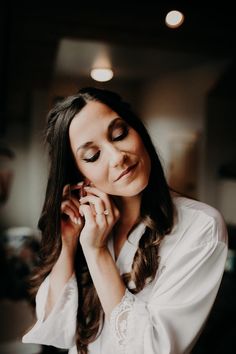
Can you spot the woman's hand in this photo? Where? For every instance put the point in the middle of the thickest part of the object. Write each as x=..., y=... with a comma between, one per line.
x=100, y=214
x=71, y=219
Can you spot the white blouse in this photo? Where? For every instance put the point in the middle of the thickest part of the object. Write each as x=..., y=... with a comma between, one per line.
x=167, y=316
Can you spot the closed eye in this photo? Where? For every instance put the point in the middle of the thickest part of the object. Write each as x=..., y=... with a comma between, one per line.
x=92, y=158
x=121, y=133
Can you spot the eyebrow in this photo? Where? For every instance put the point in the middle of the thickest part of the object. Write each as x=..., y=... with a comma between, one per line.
x=109, y=130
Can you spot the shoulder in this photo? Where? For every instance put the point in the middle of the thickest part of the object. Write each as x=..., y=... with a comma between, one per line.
x=200, y=217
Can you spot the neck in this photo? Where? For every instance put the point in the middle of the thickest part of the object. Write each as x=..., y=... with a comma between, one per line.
x=129, y=214
x=129, y=208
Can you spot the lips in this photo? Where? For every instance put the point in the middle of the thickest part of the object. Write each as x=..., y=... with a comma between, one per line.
x=127, y=171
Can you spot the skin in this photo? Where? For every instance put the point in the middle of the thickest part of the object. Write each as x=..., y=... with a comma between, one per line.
x=114, y=155
x=102, y=154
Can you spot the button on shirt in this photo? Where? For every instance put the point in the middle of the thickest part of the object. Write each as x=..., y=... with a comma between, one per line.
x=167, y=316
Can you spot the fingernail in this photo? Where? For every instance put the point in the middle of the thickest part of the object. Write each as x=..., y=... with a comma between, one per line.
x=78, y=221
x=80, y=183
x=75, y=220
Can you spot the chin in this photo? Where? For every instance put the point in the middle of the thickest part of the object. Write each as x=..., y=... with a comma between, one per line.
x=134, y=189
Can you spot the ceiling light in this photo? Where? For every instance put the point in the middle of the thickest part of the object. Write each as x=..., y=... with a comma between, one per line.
x=174, y=19
x=101, y=74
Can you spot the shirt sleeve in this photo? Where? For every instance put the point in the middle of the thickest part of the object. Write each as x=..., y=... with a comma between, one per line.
x=59, y=328
x=180, y=302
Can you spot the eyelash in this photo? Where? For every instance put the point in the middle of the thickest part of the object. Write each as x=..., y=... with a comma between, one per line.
x=122, y=135
x=93, y=158
x=118, y=138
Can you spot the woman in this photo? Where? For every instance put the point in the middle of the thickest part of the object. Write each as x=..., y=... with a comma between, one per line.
x=126, y=266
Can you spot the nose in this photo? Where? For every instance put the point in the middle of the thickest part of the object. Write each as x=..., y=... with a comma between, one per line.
x=117, y=157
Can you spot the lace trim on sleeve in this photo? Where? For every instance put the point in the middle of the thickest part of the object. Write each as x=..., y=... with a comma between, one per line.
x=120, y=319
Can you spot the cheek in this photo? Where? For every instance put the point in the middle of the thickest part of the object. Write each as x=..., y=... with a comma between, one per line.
x=136, y=142
x=144, y=156
x=93, y=172
x=140, y=149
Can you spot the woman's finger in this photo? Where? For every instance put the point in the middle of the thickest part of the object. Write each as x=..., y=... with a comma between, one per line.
x=73, y=213
x=97, y=202
x=66, y=190
x=97, y=207
x=77, y=190
x=68, y=213
x=86, y=211
x=74, y=205
x=107, y=203
x=98, y=193
x=73, y=191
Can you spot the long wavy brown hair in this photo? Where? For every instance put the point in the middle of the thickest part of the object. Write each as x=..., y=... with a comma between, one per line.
x=157, y=211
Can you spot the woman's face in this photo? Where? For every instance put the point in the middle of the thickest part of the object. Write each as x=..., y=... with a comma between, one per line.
x=108, y=152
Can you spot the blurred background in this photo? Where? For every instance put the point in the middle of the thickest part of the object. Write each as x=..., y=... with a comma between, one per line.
x=179, y=79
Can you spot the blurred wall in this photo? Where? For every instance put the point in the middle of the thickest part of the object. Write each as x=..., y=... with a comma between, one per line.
x=180, y=106
x=29, y=166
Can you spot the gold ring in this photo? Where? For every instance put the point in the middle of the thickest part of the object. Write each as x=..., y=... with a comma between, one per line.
x=105, y=212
